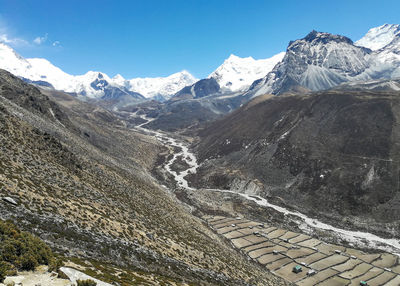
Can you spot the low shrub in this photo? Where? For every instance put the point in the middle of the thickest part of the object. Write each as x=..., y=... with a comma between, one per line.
x=21, y=250
x=88, y=282
x=55, y=264
x=27, y=261
x=4, y=267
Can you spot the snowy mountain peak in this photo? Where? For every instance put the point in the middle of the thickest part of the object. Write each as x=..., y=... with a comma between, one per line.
x=93, y=75
x=164, y=86
x=236, y=73
x=183, y=75
x=379, y=37
x=92, y=84
x=233, y=58
x=118, y=78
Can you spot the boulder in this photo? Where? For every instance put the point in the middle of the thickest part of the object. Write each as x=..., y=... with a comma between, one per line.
x=10, y=201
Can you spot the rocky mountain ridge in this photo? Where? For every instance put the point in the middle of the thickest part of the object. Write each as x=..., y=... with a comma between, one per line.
x=321, y=61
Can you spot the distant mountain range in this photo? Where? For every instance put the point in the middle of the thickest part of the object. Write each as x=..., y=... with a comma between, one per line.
x=235, y=74
x=92, y=84
x=316, y=62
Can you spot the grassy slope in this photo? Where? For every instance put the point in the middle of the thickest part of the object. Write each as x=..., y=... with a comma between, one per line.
x=71, y=190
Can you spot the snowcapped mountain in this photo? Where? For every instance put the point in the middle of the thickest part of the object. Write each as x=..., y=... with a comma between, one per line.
x=318, y=61
x=321, y=60
x=164, y=86
x=379, y=37
x=385, y=63
x=315, y=62
x=32, y=69
x=385, y=41
x=237, y=74
x=92, y=84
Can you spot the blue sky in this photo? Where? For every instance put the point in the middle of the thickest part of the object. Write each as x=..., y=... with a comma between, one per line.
x=157, y=38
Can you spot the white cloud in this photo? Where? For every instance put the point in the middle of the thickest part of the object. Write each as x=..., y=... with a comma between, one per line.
x=40, y=40
x=7, y=39
x=4, y=38
x=17, y=42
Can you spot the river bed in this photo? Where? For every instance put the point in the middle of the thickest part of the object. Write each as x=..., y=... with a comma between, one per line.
x=354, y=238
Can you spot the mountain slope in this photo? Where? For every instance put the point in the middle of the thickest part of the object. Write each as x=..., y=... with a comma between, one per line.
x=385, y=60
x=88, y=193
x=331, y=154
x=30, y=98
x=199, y=89
x=379, y=37
x=388, y=58
x=374, y=85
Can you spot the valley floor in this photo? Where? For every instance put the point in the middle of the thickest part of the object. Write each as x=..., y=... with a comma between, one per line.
x=277, y=248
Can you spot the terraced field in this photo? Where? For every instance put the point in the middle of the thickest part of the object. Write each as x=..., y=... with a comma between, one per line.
x=280, y=250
